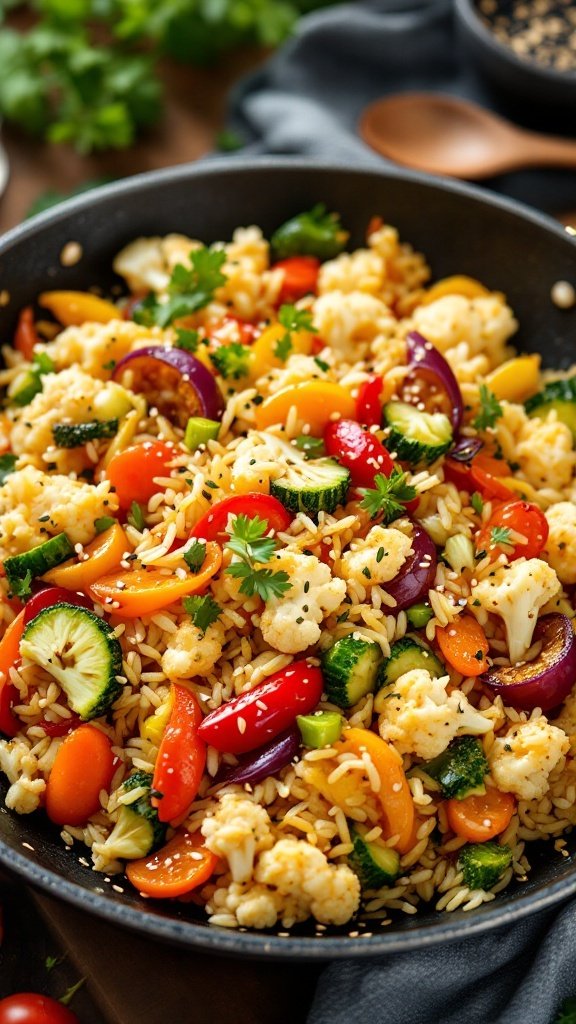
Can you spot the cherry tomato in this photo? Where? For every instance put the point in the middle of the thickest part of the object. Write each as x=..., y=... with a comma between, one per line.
x=358, y=450
x=212, y=525
x=368, y=403
x=480, y=818
x=300, y=277
x=181, y=758
x=521, y=516
x=252, y=719
x=133, y=471
x=83, y=766
x=32, y=1008
x=180, y=866
x=49, y=596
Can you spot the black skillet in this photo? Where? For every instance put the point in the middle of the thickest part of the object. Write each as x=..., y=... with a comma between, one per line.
x=461, y=230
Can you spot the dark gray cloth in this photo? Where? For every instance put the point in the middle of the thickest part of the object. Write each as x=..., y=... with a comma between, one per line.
x=307, y=100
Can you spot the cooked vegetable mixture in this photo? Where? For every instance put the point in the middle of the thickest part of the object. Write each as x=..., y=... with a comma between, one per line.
x=288, y=540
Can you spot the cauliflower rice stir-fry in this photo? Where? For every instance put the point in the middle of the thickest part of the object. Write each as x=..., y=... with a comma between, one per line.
x=288, y=541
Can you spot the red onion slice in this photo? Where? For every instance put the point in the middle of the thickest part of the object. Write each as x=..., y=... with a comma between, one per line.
x=465, y=449
x=174, y=381
x=259, y=764
x=423, y=356
x=418, y=572
x=546, y=681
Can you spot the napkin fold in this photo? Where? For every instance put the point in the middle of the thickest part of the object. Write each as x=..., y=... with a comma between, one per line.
x=307, y=101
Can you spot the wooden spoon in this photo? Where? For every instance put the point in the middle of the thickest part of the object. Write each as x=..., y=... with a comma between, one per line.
x=445, y=135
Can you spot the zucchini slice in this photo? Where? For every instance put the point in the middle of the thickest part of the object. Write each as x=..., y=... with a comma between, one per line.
x=318, y=485
x=81, y=652
x=321, y=729
x=350, y=669
x=375, y=865
x=559, y=395
x=137, y=831
x=75, y=435
x=27, y=384
x=416, y=436
x=460, y=769
x=22, y=569
x=483, y=864
x=405, y=654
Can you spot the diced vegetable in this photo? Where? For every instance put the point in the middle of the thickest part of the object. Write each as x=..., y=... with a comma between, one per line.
x=213, y=524
x=483, y=865
x=547, y=680
x=417, y=575
x=514, y=517
x=9, y=654
x=74, y=435
x=376, y=865
x=406, y=654
x=255, y=717
x=49, y=596
x=82, y=768
x=464, y=645
x=459, y=552
x=173, y=380
x=75, y=308
x=104, y=553
x=515, y=379
x=200, y=430
x=300, y=277
x=477, y=818
x=177, y=868
x=153, y=727
x=417, y=437
x=314, y=233
x=358, y=450
x=81, y=652
x=26, y=337
x=22, y=569
x=28, y=383
x=133, y=471
x=369, y=402
x=259, y=764
x=312, y=486
x=559, y=395
x=316, y=403
x=350, y=670
x=419, y=615
x=321, y=729
x=137, y=830
x=181, y=758
x=460, y=769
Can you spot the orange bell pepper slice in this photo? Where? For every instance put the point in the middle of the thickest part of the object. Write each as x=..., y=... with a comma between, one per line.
x=458, y=284
x=317, y=402
x=394, y=796
x=262, y=354
x=9, y=654
x=464, y=645
x=104, y=553
x=145, y=591
x=75, y=308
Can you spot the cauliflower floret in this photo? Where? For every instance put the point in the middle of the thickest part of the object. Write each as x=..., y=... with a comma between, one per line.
x=259, y=458
x=522, y=760
x=566, y=720
x=291, y=623
x=516, y=593
x=484, y=323
x=35, y=506
x=361, y=271
x=420, y=717
x=18, y=764
x=542, y=448
x=146, y=263
x=190, y=652
x=294, y=868
x=67, y=397
x=378, y=558
x=96, y=347
x=237, y=831
x=348, y=321
x=560, y=547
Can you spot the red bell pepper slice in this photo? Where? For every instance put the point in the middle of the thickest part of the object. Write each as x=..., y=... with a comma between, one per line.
x=481, y=475
x=212, y=525
x=49, y=596
x=254, y=718
x=181, y=758
x=368, y=403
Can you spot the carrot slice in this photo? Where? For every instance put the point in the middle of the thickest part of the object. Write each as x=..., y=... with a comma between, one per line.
x=83, y=766
x=480, y=818
x=464, y=645
x=180, y=866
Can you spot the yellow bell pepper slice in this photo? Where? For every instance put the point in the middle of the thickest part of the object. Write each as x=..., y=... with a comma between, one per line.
x=75, y=308
x=105, y=552
x=262, y=354
x=523, y=490
x=145, y=591
x=516, y=379
x=394, y=795
x=154, y=725
x=458, y=284
x=316, y=403
x=336, y=793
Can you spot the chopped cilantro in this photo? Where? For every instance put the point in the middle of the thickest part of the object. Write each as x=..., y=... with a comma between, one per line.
x=202, y=610
x=103, y=523
x=477, y=503
x=387, y=496
x=188, y=340
x=292, y=320
x=195, y=555
x=490, y=409
x=189, y=289
x=321, y=364
x=136, y=516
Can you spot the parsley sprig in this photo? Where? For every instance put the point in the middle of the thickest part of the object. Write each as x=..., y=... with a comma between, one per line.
x=490, y=409
x=195, y=555
x=202, y=610
x=248, y=541
x=387, y=496
x=292, y=320
x=189, y=289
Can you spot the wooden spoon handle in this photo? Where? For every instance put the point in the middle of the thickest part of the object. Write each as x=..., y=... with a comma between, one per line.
x=547, y=151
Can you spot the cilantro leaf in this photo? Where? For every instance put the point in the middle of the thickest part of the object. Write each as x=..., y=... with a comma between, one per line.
x=231, y=360
x=7, y=463
x=136, y=516
x=387, y=496
x=195, y=555
x=292, y=320
x=202, y=610
x=21, y=587
x=500, y=535
x=490, y=409
x=103, y=523
x=249, y=543
x=477, y=503
x=188, y=340
x=189, y=289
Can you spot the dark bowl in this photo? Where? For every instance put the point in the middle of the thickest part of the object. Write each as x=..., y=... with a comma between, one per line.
x=524, y=78
x=462, y=230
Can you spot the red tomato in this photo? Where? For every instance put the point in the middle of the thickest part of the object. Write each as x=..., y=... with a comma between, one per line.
x=359, y=450
x=368, y=403
x=181, y=758
x=48, y=596
x=212, y=525
x=521, y=516
x=32, y=1008
x=133, y=471
x=252, y=719
x=26, y=336
x=300, y=277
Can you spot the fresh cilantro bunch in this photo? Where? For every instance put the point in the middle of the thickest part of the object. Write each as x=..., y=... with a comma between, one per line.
x=189, y=289
x=386, y=498
x=292, y=320
x=249, y=542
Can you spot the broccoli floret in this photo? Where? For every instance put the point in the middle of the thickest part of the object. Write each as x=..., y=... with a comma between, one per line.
x=483, y=864
x=231, y=360
x=137, y=830
x=314, y=233
x=460, y=769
